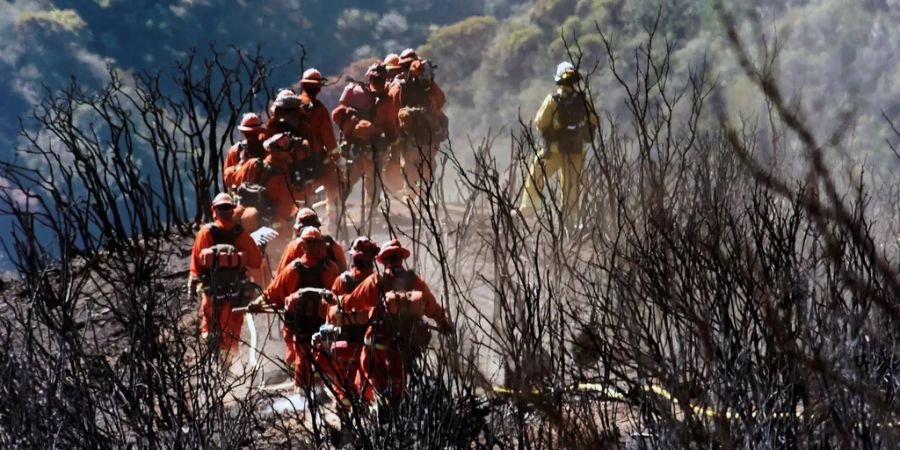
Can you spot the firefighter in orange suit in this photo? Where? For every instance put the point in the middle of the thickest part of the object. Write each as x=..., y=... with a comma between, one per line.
x=302, y=315
x=397, y=299
x=217, y=319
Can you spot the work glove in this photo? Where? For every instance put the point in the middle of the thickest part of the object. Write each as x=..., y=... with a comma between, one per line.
x=329, y=297
x=342, y=169
x=193, y=282
x=316, y=340
x=257, y=305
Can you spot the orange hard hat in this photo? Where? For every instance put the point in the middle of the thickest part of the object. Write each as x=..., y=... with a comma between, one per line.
x=391, y=248
x=250, y=123
x=222, y=199
x=286, y=93
x=392, y=61
x=304, y=215
x=376, y=70
x=287, y=99
x=363, y=244
x=312, y=76
x=278, y=142
x=310, y=234
x=407, y=56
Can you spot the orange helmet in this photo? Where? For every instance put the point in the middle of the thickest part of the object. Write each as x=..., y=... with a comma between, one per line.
x=312, y=76
x=222, y=199
x=407, y=56
x=285, y=92
x=390, y=249
x=310, y=235
x=250, y=123
x=278, y=142
x=286, y=99
x=363, y=244
x=376, y=70
x=306, y=217
x=392, y=61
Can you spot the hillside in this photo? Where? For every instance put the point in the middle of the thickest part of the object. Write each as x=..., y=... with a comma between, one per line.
x=722, y=272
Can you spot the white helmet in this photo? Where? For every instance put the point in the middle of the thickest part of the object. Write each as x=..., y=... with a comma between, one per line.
x=564, y=70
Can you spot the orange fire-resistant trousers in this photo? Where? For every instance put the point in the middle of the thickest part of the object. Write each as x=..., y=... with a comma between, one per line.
x=381, y=371
x=341, y=368
x=300, y=354
x=220, y=322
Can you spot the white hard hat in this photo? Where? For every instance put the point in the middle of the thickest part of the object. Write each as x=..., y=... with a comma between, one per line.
x=562, y=69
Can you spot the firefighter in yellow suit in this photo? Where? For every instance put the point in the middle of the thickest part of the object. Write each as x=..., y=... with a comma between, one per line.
x=566, y=120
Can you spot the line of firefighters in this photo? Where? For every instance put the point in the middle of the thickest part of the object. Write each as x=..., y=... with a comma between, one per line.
x=353, y=325
x=391, y=126
x=356, y=326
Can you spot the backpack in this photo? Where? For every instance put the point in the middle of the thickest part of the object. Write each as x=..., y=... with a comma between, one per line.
x=247, y=152
x=360, y=98
x=331, y=256
x=304, y=321
x=399, y=315
x=224, y=278
x=254, y=194
x=306, y=170
x=351, y=332
x=571, y=113
x=416, y=117
x=220, y=257
x=419, y=124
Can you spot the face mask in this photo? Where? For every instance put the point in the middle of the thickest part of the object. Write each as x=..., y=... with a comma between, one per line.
x=394, y=271
x=315, y=250
x=362, y=261
x=312, y=91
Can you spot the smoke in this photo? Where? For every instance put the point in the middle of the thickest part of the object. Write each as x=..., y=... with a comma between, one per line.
x=835, y=59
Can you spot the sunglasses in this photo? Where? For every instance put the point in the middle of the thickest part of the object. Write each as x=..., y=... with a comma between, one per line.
x=224, y=207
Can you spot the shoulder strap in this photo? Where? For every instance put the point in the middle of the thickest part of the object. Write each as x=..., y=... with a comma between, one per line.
x=222, y=236
x=318, y=268
x=264, y=172
x=347, y=278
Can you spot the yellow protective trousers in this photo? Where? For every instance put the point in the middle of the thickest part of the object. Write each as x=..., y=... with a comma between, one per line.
x=546, y=164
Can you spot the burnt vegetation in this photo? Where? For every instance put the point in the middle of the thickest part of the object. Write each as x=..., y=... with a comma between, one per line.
x=724, y=286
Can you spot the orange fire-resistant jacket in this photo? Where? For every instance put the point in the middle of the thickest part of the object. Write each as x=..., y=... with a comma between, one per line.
x=339, y=288
x=293, y=251
x=320, y=124
x=232, y=163
x=413, y=96
x=383, y=115
x=369, y=293
x=288, y=281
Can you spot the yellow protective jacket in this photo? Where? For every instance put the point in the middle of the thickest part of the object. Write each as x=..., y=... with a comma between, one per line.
x=547, y=121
